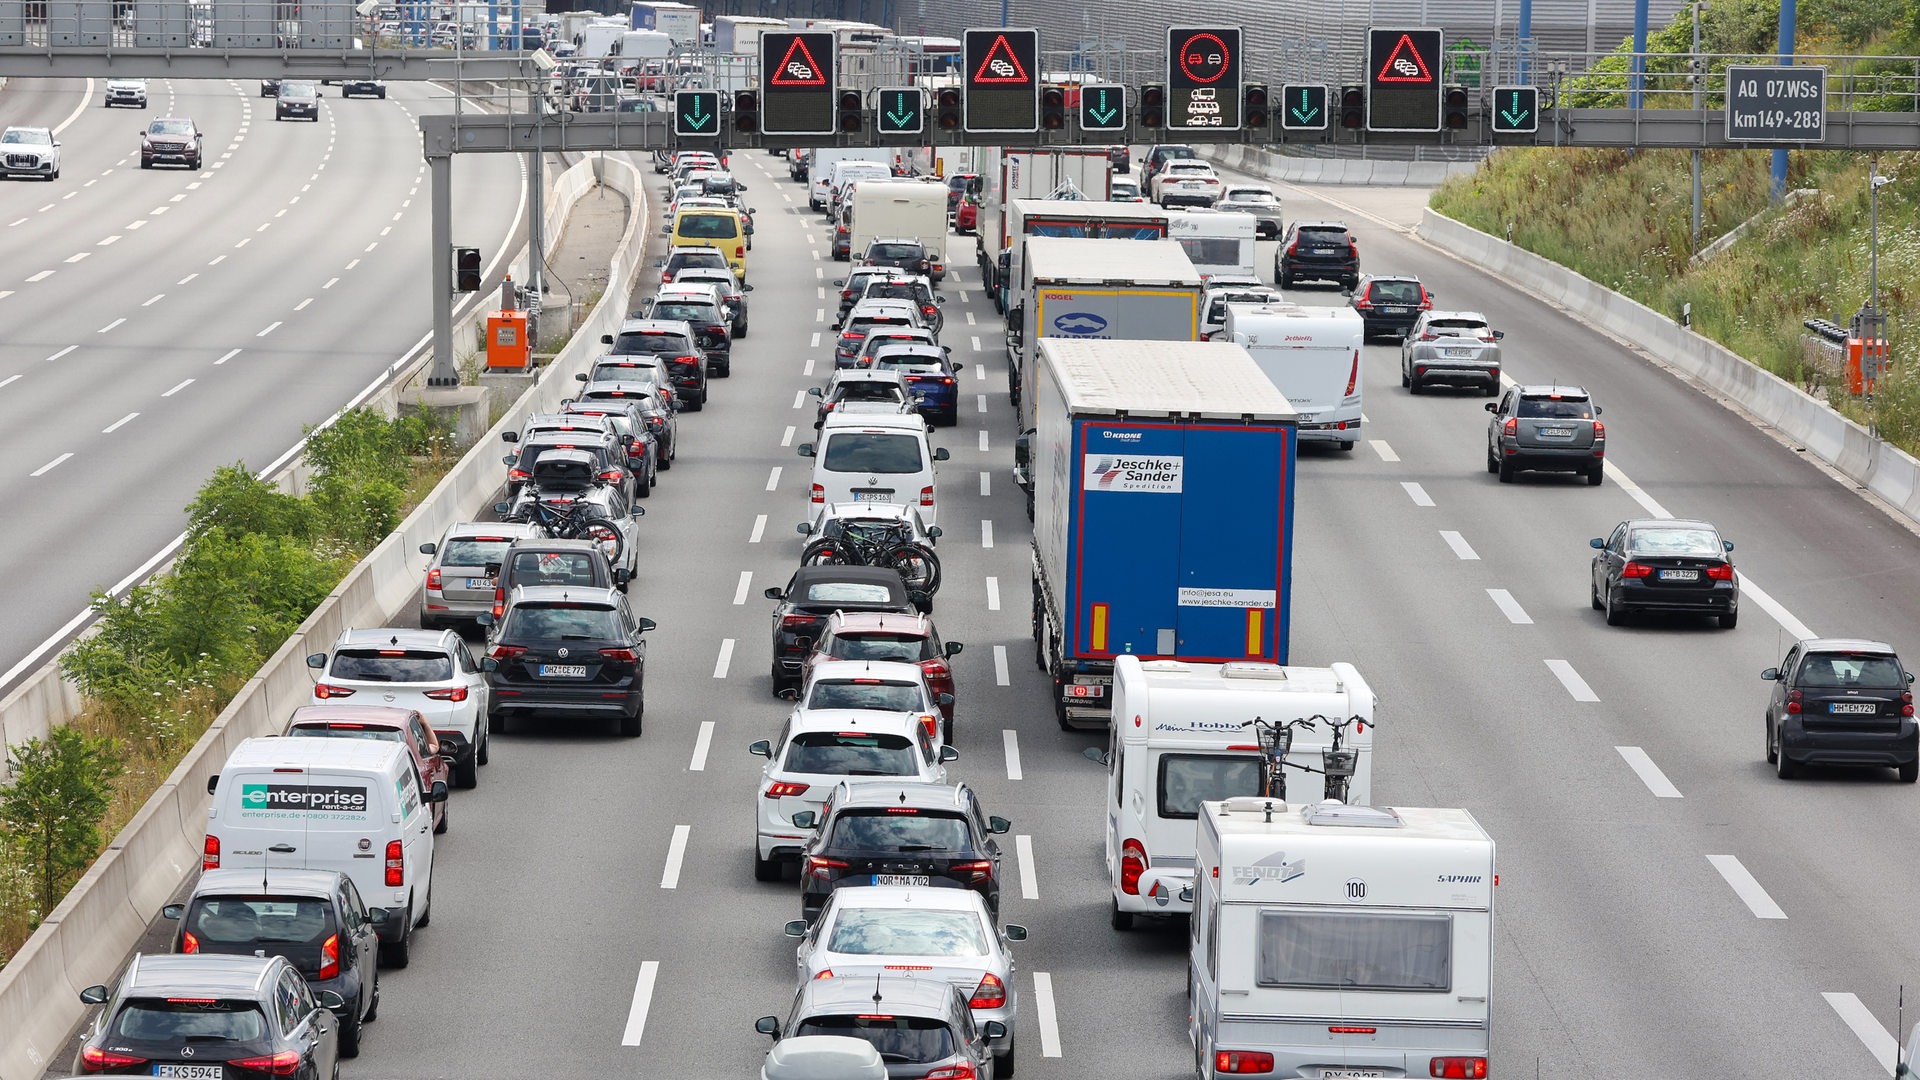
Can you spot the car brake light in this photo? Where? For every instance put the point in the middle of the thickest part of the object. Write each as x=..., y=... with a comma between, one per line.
x=396, y=865
x=739, y=252
x=284, y=1063
x=1511, y=427
x=433, y=579
x=1353, y=247
x=1599, y=431
x=1426, y=299
x=1463, y=1068
x=1353, y=376
x=973, y=872
x=507, y=652
x=1636, y=570
x=499, y=604
x=1133, y=863
x=210, y=853
x=1793, y=701
x=819, y=494
x=1242, y=1061
x=822, y=868
x=330, y=957
x=926, y=495
x=797, y=623
x=785, y=789
x=990, y=994
x=621, y=656
x=1294, y=248
x=516, y=474
x=612, y=476
x=94, y=1059
x=1906, y=703
x=451, y=693
x=1720, y=573
x=962, y=1071
x=189, y=943
x=328, y=690
x=931, y=722
x=1363, y=304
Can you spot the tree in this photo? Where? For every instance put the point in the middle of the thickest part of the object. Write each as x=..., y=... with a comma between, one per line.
x=62, y=786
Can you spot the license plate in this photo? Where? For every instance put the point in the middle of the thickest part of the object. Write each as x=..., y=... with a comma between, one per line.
x=873, y=496
x=1325, y=250
x=902, y=879
x=1351, y=1074
x=1457, y=354
x=564, y=671
x=479, y=583
x=1865, y=707
x=1395, y=310
x=1555, y=432
x=1679, y=575
x=1083, y=690
x=188, y=1072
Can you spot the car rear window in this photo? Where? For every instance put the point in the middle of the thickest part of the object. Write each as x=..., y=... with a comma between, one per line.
x=1469, y=327
x=163, y=1020
x=896, y=251
x=708, y=226
x=391, y=665
x=848, y=592
x=906, y=932
x=864, y=694
x=851, y=753
x=691, y=311
x=473, y=551
x=893, y=292
x=319, y=729
x=250, y=920
x=899, y=828
x=869, y=391
x=686, y=257
x=911, y=648
x=1674, y=542
x=1396, y=292
x=871, y=452
x=1556, y=408
x=1863, y=670
x=1323, y=236
x=557, y=622
x=905, y=1039
x=554, y=568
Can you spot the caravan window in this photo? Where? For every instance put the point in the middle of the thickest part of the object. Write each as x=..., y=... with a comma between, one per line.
x=1187, y=779
x=1355, y=951
x=1212, y=250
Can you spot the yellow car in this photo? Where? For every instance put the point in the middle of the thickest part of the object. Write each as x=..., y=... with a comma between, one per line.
x=714, y=227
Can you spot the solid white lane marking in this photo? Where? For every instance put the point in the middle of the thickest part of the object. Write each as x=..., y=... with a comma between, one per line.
x=1000, y=665
x=1571, y=679
x=740, y=590
x=49, y=466
x=786, y=437
x=74, y=258
x=1417, y=493
x=177, y=387
x=1879, y=1041
x=1648, y=772
x=118, y=424
x=676, y=851
x=983, y=440
x=986, y=534
x=977, y=347
x=1746, y=887
x=302, y=305
x=1029, y=885
x=41, y=276
x=156, y=298
x=982, y=398
x=759, y=527
x=231, y=353
x=1510, y=607
x=993, y=594
x=110, y=326
x=1459, y=545
x=701, y=744
x=271, y=327
x=1011, y=739
x=642, y=1000
x=986, y=484
x=799, y=398
x=773, y=479
x=1794, y=627
x=1043, y=1012
x=61, y=353
x=1386, y=452
x=726, y=658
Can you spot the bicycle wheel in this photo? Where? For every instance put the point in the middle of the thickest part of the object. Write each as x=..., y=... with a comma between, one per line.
x=919, y=567
x=605, y=535
x=825, y=552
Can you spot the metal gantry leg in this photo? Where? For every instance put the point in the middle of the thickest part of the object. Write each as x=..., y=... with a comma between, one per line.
x=445, y=372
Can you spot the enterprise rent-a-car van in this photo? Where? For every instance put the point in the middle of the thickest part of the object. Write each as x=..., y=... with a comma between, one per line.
x=352, y=805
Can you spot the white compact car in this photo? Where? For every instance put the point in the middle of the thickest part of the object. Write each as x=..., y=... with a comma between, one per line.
x=887, y=686
x=29, y=151
x=126, y=92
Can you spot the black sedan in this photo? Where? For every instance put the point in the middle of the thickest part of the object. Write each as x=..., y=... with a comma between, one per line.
x=815, y=592
x=1841, y=701
x=1664, y=564
x=233, y=1017
x=561, y=649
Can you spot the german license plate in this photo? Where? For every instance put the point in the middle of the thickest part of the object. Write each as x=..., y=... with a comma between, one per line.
x=1395, y=310
x=1083, y=690
x=1862, y=707
x=563, y=671
x=1679, y=575
x=1556, y=432
x=902, y=879
x=479, y=583
x=1457, y=354
x=873, y=496
x=188, y=1072
x=1351, y=1074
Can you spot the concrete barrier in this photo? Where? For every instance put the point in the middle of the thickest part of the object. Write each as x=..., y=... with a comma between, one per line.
x=1886, y=470
x=1342, y=170
x=86, y=937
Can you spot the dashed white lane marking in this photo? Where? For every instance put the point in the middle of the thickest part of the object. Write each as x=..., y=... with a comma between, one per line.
x=799, y=398
x=217, y=260
x=1043, y=1012
x=10, y=380
x=993, y=594
x=759, y=527
x=979, y=370
x=676, y=851
x=110, y=326
x=1746, y=887
x=118, y=424
x=1571, y=679
x=740, y=591
x=243, y=241
x=77, y=256
x=820, y=314
x=1011, y=739
x=773, y=478
x=1459, y=545
x=1878, y=1040
x=970, y=318
x=642, y=1000
x=726, y=658
x=986, y=534
x=983, y=402
x=270, y=329
x=808, y=369
x=41, y=276
x=1023, y=850
x=49, y=466
x=1417, y=493
x=351, y=265
x=816, y=339
x=786, y=437
x=1510, y=607
x=4, y=293
x=302, y=305
x=177, y=387
x=109, y=241
x=977, y=347
x=330, y=283
x=1648, y=772
x=1386, y=452
x=11, y=224
x=61, y=353
x=1000, y=665
x=986, y=484
x=154, y=299
x=701, y=744
x=231, y=353
x=983, y=440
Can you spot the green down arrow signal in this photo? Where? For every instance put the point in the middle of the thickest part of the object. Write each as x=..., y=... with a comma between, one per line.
x=1513, y=114
x=901, y=112
x=1101, y=113
x=698, y=118
x=1301, y=112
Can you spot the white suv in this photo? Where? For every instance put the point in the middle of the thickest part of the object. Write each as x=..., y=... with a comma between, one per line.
x=428, y=670
x=126, y=92
x=29, y=151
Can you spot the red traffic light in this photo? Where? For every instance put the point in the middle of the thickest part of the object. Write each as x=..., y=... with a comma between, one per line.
x=1053, y=108
x=947, y=108
x=851, y=114
x=1353, y=107
x=1253, y=106
x=1456, y=102
x=1153, y=106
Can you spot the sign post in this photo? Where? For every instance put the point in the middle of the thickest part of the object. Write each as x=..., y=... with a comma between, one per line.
x=1403, y=79
x=1203, y=78
x=1001, y=69
x=796, y=83
x=1777, y=104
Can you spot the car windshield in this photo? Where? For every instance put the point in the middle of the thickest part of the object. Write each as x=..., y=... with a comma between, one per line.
x=689, y=311
x=195, y=1020
x=554, y=568
x=1863, y=670
x=864, y=694
x=1556, y=408
x=570, y=622
x=907, y=932
x=170, y=127
x=907, y=647
x=18, y=136
x=899, y=828
x=391, y=665
x=297, y=90
x=851, y=753
x=912, y=1040
x=249, y=920
x=1395, y=292
x=473, y=551
x=872, y=452
x=708, y=226
x=1674, y=542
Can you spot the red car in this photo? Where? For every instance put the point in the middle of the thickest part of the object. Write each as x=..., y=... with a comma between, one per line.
x=966, y=216
x=883, y=635
x=390, y=724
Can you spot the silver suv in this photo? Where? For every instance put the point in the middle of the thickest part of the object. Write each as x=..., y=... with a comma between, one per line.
x=1546, y=429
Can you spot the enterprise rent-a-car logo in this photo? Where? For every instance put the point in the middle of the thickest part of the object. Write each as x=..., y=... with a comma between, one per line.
x=306, y=800
x=1133, y=472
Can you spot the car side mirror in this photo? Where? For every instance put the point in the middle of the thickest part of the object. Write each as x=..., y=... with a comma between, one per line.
x=1499, y=335
x=806, y=819
x=1014, y=932
x=1597, y=410
x=488, y=663
x=763, y=748
x=377, y=914
x=775, y=592
x=788, y=693
x=437, y=793
x=767, y=1025
x=1346, y=292
x=317, y=661
x=947, y=754
x=1493, y=406
x=804, y=529
x=620, y=575
x=994, y=1029
x=939, y=299
x=839, y=283
x=428, y=549
x=94, y=995
x=485, y=618
x=955, y=648
x=501, y=507
x=935, y=532
x=940, y=454
x=1726, y=545
x=1596, y=543
x=795, y=929
x=606, y=339
x=816, y=391
x=644, y=624
x=514, y=436
x=213, y=782
x=508, y=459
x=1097, y=756
x=944, y=699
x=328, y=999
x=173, y=911
x=580, y=376
x=997, y=824
x=805, y=449
x=956, y=367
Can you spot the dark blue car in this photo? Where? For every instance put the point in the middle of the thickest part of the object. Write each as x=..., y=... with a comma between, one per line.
x=932, y=377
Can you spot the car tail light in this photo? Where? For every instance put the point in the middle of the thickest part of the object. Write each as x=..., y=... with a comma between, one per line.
x=612, y=476
x=1294, y=248
x=1511, y=427
x=1363, y=304
x=499, y=604
x=689, y=359
x=1636, y=570
x=962, y=1071
x=931, y=721
x=824, y=973
x=433, y=579
x=785, y=789
x=330, y=957
x=507, y=652
x=210, y=853
x=739, y=251
x=620, y=656
x=823, y=868
x=973, y=872
x=1426, y=299
x=1464, y=1068
x=666, y=279
x=328, y=690
x=1133, y=863
x=990, y=994
x=1243, y=1061
x=819, y=494
x=189, y=943
x=1599, y=431
x=1906, y=703
x=794, y=624
x=636, y=447
x=1793, y=701
x=450, y=693
x=1720, y=573
x=929, y=310
x=846, y=294
x=516, y=475
x=284, y=1063
x=1353, y=247
x=94, y=1059
x=1353, y=376
x=396, y=865
x=926, y=495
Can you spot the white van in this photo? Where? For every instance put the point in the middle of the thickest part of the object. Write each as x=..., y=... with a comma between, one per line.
x=1218, y=242
x=1312, y=354
x=1340, y=941
x=820, y=165
x=1177, y=740
x=867, y=457
x=828, y=186
x=901, y=209
x=352, y=805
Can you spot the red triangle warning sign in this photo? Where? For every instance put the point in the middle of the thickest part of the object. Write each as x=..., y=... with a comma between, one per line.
x=1001, y=66
x=798, y=67
x=1404, y=64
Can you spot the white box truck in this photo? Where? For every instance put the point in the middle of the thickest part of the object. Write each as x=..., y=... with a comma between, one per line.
x=1340, y=941
x=902, y=210
x=679, y=21
x=1312, y=354
x=1178, y=740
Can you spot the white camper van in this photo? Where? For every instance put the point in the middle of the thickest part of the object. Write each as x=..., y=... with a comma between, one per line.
x=1312, y=354
x=1219, y=243
x=902, y=209
x=1177, y=740
x=1340, y=941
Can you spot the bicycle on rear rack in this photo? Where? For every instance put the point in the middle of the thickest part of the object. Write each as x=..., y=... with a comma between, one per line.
x=1276, y=740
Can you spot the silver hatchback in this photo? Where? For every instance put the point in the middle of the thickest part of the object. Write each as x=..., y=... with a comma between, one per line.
x=460, y=578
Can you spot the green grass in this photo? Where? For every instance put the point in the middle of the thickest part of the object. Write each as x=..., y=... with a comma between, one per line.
x=1622, y=219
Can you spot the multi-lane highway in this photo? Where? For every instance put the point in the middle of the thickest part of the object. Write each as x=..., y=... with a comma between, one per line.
x=1666, y=907
x=165, y=322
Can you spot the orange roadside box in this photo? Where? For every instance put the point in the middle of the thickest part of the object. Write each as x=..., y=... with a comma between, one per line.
x=507, y=345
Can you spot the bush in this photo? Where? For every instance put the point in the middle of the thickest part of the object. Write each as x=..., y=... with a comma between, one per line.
x=61, y=788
